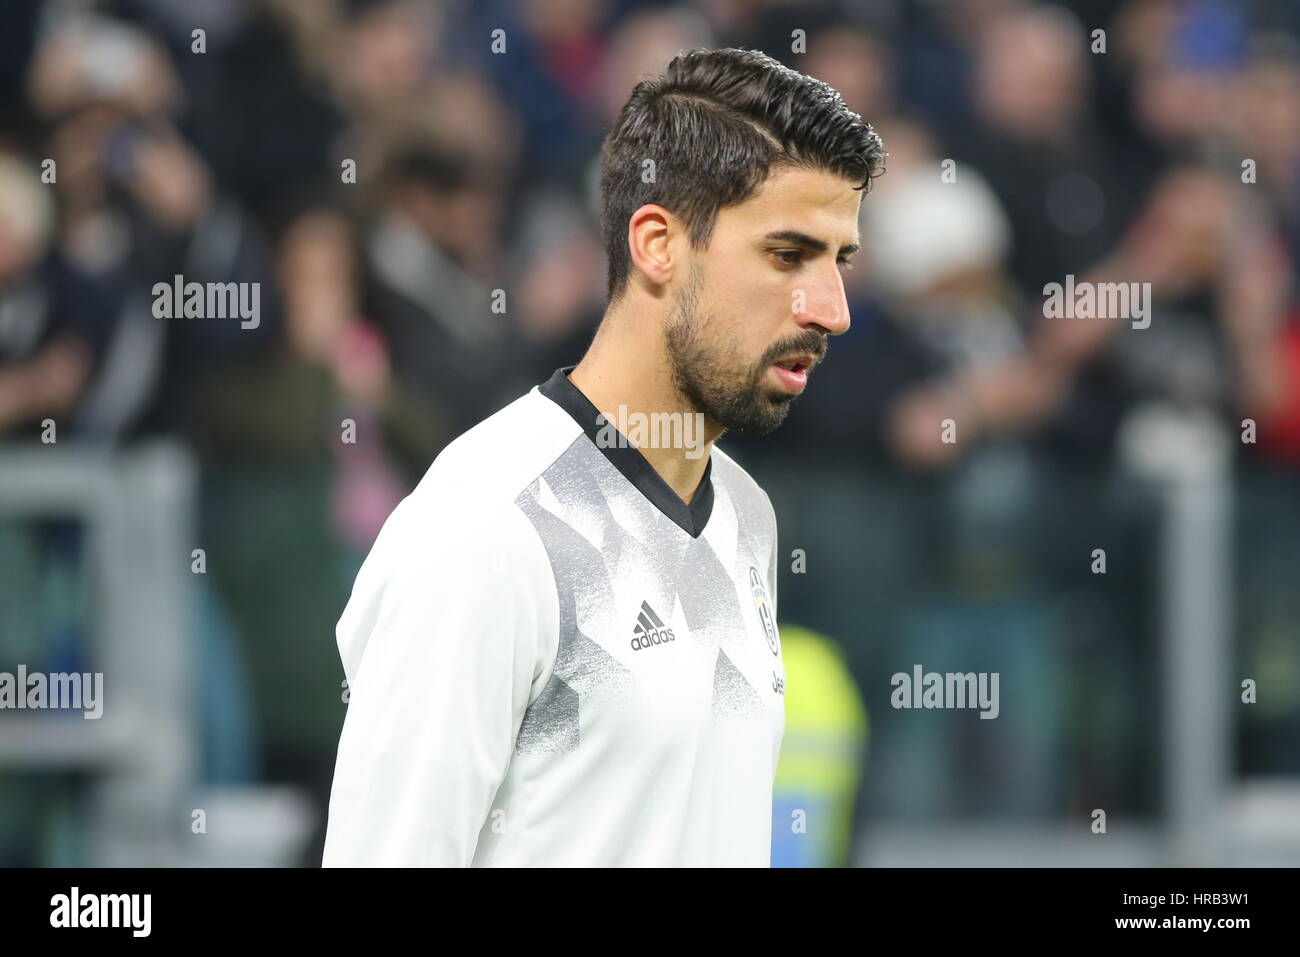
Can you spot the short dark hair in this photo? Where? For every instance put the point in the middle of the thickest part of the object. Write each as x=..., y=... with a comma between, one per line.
x=715, y=124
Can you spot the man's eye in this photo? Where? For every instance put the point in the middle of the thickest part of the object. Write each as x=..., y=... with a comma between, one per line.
x=790, y=257
x=846, y=263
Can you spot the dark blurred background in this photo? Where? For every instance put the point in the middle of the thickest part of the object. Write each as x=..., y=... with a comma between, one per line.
x=180, y=508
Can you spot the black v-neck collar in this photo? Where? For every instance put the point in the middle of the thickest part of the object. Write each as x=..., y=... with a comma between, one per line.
x=628, y=459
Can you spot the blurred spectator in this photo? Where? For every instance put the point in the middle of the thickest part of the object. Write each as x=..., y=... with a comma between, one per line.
x=1038, y=145
x=42, y=368
x=138, y=206
x=938, y=251
x=434, y=249
x=289, y=406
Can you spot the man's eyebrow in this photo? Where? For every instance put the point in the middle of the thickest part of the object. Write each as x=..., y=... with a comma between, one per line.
x=808, y=242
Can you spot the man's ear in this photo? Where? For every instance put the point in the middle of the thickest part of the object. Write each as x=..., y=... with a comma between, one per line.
x=649, y=231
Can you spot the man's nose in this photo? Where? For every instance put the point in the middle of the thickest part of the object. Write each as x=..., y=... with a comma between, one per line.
x=825, y=306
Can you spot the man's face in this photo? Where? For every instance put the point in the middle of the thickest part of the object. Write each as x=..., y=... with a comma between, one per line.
x=752, y=314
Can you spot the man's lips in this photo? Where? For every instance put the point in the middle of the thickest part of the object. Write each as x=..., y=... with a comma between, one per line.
x=792, y=371
x=797, y=363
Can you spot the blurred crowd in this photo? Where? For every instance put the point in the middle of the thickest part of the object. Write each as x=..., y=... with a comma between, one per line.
x=413, y=185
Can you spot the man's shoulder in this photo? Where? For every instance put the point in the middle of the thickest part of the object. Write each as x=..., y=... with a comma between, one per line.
x=488, y=466
x=462, y=516
x=468, y=494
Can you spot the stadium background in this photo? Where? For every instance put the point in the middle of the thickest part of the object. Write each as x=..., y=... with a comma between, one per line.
x=1172, y=157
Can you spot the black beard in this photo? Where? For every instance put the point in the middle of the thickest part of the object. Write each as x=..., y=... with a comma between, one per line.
x=714, y=380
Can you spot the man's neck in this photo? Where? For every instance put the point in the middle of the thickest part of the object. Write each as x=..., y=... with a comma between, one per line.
x=623, y=376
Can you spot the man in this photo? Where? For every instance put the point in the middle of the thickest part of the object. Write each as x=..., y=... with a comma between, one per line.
x=562, y=648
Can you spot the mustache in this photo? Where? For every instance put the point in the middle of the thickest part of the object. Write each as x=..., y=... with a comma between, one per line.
x=813, y=343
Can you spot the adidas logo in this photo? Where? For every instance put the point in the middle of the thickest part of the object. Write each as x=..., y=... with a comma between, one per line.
x=650, y=629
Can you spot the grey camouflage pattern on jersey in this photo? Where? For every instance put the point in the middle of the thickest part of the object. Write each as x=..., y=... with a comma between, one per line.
x=598, y=528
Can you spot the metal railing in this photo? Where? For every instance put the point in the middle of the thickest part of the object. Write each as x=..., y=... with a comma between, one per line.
x=138, y=510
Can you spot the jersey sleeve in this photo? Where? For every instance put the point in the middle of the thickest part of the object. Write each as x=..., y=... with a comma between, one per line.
x=445, y=643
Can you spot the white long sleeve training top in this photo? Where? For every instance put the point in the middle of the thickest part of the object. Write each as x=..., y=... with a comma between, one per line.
x=553, y=660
